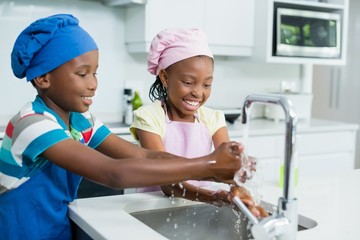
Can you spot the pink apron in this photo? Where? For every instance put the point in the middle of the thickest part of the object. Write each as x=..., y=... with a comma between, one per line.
x=186, y=139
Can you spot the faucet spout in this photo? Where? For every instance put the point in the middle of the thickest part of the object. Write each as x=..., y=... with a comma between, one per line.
x=287, y=207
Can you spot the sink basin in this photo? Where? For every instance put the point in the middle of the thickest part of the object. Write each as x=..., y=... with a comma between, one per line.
x=202, y=221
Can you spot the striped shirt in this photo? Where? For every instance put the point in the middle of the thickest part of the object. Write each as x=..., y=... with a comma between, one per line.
x=34, y=129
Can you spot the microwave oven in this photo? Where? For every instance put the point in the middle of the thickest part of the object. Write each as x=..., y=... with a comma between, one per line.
x=305, y=33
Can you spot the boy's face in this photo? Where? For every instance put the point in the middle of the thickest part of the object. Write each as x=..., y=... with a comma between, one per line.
x=188, y=84
x=73, y=84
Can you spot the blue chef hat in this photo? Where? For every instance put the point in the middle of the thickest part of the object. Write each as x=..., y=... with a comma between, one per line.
x=48, y=43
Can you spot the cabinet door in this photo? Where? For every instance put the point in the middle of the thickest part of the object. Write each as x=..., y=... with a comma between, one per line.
x=173, y=14
x=143, y=22
x=335, y=90
x=325, y=164
x=230, y=22
x=326, y=142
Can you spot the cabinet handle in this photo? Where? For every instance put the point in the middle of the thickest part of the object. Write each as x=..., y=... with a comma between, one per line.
x=334, y=97
x=331, y=95
x=337, y=88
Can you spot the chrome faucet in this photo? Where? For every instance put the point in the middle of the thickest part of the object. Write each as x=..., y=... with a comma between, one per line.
x=283, y=224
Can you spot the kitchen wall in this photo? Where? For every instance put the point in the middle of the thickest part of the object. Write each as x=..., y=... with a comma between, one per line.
x=234, y=77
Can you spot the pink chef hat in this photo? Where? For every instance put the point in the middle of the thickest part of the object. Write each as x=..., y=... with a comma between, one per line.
x=172, y=45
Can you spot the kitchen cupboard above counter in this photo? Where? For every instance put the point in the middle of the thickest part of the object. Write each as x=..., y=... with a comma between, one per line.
x=229, y=34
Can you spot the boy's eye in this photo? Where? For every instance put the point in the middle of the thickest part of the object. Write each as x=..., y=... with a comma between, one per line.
x=85, y=74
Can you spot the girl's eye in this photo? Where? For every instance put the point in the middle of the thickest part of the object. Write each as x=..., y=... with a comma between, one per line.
x=187, y=83
x=207, y=85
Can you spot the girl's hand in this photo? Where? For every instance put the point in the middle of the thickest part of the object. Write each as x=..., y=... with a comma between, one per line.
x=246, y=198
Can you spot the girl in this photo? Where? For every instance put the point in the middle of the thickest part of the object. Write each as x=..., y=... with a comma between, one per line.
x=177, y=121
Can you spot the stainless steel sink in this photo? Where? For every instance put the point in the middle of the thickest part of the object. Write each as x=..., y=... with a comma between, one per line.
x=203, y=221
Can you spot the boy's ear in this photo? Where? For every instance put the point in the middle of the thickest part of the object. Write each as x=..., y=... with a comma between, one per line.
x=42, y=81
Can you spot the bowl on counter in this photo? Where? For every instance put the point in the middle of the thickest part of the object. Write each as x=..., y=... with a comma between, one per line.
x=231, y=114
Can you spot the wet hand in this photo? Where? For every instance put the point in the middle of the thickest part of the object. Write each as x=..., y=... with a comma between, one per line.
x=246, y=198
x=247, y=170
x=226, y=160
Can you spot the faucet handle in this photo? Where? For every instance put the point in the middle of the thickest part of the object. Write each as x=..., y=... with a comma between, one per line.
x=271, y=227
x=245, y=210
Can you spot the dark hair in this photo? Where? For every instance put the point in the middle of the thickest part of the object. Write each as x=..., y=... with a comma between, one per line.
x=157, y=90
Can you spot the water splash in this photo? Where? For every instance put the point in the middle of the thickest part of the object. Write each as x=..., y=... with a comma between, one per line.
x=197, y=194
x=184, y=192
x=254, y=179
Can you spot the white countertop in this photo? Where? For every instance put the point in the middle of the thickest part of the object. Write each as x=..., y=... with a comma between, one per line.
x=333, y=202
x=264, y=126
x=270, y=127
x=257, y=127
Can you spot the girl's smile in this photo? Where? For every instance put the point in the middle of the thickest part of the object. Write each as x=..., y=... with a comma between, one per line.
x=188, y=83
x=192, y=105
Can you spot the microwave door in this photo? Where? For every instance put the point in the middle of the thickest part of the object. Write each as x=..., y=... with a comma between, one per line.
x=303, y=33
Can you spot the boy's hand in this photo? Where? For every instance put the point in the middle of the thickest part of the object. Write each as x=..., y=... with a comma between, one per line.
x=226, y=161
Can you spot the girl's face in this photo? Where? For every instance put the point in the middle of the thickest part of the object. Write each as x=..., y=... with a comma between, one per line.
x=188, y=84
x=72, y=85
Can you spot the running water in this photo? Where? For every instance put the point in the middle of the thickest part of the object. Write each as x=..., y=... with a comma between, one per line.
x=250, y=167
x=245, y=164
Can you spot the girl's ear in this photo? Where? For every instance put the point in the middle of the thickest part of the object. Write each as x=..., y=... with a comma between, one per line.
x=42, y=81
x=163, y=78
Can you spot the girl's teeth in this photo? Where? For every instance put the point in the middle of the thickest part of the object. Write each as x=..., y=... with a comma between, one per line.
x=192, y=103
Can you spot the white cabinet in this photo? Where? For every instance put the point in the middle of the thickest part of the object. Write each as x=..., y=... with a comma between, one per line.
x=326, y=152
x=264, y=34
x=229, y=24
x=122, y=2
x=320, y=153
